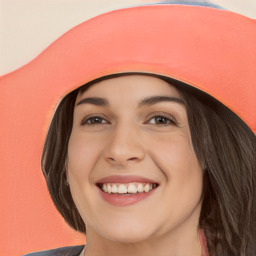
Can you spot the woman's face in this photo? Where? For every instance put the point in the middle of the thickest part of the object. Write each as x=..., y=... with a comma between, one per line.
x=132, y=133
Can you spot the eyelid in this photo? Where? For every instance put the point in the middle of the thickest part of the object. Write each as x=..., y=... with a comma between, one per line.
x=165, y=115
x=170, y=117
x=86, y=118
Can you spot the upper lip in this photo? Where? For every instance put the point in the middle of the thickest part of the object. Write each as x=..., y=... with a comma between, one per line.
x=125, y=179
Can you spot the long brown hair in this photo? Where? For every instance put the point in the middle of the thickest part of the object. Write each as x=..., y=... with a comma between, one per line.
x=227, y=149
x=224, y=145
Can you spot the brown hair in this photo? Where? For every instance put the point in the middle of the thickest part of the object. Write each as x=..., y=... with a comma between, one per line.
x=223, y=144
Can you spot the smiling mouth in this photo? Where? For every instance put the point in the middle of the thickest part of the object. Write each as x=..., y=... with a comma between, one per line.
x=127, y=188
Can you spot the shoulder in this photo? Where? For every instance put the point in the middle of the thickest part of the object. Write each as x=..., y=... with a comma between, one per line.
x=63, y=251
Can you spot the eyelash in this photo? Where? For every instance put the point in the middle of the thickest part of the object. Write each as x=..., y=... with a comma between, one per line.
x=84, y=121
x=168, y=118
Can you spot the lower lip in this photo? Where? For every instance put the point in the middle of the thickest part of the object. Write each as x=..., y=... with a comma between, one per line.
x=124, y=200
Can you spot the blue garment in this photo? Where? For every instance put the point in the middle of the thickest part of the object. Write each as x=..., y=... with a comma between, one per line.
x=63, y=251
x=188, y=2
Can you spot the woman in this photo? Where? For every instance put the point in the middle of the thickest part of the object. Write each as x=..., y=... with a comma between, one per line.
x=155, y=153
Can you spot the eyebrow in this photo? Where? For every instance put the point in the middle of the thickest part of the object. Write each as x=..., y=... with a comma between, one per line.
x=94, y=101
x=145, y=102
x=156, y=99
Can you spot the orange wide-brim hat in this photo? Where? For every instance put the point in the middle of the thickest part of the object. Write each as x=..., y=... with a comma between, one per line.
x=210, y=49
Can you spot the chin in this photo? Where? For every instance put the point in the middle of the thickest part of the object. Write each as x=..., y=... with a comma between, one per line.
x=127, y=234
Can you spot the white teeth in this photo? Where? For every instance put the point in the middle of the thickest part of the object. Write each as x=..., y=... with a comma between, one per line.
x=109, y=188
x=130, y=188
x=146, y=188
x=104, y=188
x=122, y=189
x=140, y=188
x=114, y=189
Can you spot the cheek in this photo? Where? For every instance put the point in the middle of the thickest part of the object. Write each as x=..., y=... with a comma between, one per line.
x=176, y=158
x=83, y=152
x=174, y=151
x=182, y=186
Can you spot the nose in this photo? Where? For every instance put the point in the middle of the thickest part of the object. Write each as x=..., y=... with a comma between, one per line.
x=125, y=146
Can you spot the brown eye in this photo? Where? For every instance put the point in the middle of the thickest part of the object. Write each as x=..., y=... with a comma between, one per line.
x=94, y=120
x=161, y=120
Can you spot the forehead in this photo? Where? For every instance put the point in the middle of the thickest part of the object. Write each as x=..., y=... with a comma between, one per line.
x=134, y=86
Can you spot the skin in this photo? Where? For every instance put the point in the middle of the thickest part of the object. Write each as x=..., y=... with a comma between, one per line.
x=130, y=140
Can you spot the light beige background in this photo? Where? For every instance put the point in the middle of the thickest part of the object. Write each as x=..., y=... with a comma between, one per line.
x=28, y=26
